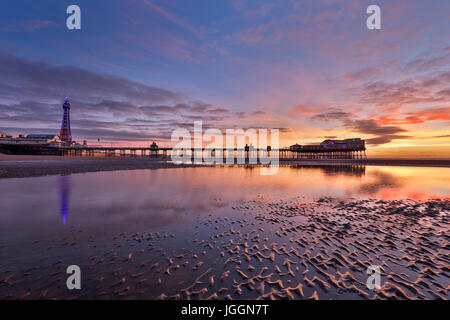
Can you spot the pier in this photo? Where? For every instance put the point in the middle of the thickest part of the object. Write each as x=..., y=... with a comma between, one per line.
x=286, y=154
x=63, y=145
x=348, y=149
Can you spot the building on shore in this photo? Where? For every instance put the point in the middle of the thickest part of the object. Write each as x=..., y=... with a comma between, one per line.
x=32, y=139
x=295, y=147
x=47, y=139
x=5, y=135
x=352, y=144
x=31, y=143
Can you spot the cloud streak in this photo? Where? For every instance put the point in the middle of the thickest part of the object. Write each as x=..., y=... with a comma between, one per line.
x=31, y=93
x=28, y=26
x=171, y=17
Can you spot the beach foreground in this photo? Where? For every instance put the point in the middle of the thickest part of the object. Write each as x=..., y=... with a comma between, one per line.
x=261, y=249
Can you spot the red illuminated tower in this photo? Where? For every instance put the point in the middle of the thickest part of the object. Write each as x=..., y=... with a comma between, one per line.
x=65, y=134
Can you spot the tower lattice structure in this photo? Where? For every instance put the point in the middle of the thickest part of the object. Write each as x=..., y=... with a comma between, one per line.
x=66, y=134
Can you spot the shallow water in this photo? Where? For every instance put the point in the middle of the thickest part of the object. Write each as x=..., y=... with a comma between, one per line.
x=161, y=197
x=77, y=217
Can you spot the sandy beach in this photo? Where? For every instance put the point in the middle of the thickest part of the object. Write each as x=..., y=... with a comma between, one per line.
x=221, y=232
x=264, y=250
x=12, y=166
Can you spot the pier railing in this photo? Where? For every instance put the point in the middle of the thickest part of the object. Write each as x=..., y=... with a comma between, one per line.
x=165, y=152
x=302, y=153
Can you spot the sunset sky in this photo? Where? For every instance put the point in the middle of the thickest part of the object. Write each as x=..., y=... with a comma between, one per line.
x=138, y=69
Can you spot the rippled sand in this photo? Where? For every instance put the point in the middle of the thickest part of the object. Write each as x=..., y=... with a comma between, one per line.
x=260, y=250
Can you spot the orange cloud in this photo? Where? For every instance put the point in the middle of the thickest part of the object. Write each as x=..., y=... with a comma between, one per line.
x=419, y=117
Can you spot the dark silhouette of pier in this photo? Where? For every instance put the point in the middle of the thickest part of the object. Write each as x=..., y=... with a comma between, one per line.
x=296, y=152
x=154, y=151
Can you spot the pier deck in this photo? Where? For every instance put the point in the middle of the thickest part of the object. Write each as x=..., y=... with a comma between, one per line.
x=305, y=152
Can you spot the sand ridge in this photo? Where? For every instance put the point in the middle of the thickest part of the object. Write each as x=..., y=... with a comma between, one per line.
x=265, y=250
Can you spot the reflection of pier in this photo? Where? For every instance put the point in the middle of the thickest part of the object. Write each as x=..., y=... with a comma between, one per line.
x=355, y=170
x=346, y=170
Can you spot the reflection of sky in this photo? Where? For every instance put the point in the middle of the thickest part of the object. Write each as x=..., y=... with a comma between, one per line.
x=64, y=193
x=158, y=198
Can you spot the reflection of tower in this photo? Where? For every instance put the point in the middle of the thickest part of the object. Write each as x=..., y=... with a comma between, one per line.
x=65, y=134
x=64, y=192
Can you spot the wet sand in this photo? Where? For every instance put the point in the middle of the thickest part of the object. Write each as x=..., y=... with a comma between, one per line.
x=259, y=249
x=18, y=166
x=12, y=166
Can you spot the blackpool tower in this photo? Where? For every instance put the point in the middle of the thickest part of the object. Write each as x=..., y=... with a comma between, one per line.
x=65, y=134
